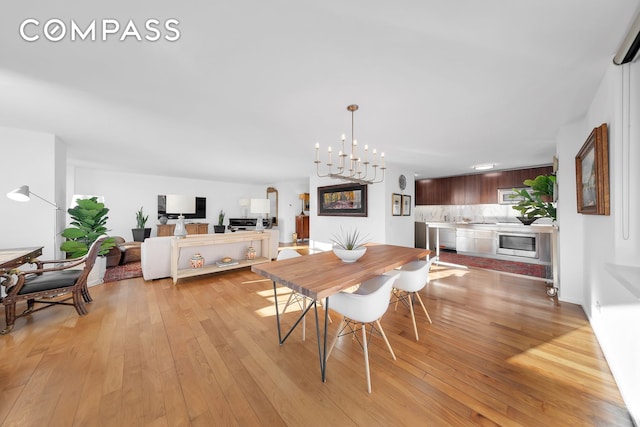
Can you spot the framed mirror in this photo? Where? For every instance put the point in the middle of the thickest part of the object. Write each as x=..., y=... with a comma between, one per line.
x=272, y=195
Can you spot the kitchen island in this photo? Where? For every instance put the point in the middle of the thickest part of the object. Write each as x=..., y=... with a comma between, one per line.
x=532, y=244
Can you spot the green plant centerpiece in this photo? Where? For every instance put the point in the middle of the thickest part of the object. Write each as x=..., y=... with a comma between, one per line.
x=538, y=202
x=89, y=219
x=349, y=245
x=141, y=232
x=220, y=227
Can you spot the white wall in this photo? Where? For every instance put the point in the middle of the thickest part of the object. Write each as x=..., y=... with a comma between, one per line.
x=125, y=193
x=588, y=243
x=379, y=224
x=570, y=236
x=399, y=230
x=35, y=159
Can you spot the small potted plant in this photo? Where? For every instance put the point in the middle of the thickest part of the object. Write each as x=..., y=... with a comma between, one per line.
x=220, y=227
x=141, y=232
x=349, y=245
x=537, y=203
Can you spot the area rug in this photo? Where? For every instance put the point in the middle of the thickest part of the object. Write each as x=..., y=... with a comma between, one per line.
x=534, y=270
x=121, y=272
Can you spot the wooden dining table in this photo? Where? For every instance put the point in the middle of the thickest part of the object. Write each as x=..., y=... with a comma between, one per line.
x=321, y=275
x=13, y=258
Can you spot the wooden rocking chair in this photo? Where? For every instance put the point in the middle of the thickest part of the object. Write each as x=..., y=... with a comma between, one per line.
x=49, y=283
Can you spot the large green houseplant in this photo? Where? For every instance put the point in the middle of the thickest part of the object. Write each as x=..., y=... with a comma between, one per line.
x=89, y=219
x=538, y=202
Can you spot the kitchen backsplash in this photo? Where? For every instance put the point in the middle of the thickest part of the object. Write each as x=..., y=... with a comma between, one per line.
x=467, y=213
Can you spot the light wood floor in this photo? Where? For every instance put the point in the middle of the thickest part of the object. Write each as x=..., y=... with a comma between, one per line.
x=205, y=353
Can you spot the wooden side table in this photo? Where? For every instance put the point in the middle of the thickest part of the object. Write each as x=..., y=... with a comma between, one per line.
x=302, y=226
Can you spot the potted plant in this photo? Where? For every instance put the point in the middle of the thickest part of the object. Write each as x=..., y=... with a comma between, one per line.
x=349, y=245
x=140, y=233
x=220, y=227
x=537, y=203
x=89, y=219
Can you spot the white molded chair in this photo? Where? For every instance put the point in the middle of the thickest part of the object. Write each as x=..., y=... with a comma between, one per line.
x=366, y=305
x=411, y=279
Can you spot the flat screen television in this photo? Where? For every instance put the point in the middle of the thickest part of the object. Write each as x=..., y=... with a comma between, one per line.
x=201, y=209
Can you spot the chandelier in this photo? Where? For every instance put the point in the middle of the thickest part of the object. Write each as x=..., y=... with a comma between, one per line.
x=350, y=167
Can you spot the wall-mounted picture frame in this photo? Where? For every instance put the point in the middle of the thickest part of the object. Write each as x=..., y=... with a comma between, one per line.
x=406, y=205
x=592, y=173
x=342, y=200
x=396, y=204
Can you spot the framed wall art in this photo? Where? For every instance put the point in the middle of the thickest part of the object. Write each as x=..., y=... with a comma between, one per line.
x=406, y=205
x=342, y=200
x=592, y=173
x=396, y=204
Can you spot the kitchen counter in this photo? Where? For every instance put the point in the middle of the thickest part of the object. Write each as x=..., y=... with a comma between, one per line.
x=480, y=239
x=496, y=226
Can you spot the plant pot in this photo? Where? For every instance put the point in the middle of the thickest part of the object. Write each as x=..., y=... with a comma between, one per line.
x=96, y=275
x=218, y=228
x=349, y=255
x=526, y=221
x=139, y=234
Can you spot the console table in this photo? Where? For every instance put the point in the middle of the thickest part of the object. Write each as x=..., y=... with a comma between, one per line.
x=214, y=247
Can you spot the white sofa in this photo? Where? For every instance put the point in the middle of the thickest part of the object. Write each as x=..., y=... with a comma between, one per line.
x=155, y=254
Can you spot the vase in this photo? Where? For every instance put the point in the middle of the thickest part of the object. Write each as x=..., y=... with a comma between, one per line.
x=96, y=275
x=347, y=255
x=197, y=261
x=251, y=253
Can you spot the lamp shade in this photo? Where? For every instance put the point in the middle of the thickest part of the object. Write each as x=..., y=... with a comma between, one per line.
x=20, y=194
x=178, y=203
x=260, y=206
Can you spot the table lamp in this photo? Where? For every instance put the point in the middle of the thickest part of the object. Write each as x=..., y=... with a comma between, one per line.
x=177, y=203
x=302, y=198
x=260, y=207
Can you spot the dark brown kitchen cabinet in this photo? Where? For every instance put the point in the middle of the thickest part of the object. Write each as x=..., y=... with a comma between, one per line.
x=473, y=189
x=488, y=188
x=457, y=190
x=515, y=178
x=433, y=191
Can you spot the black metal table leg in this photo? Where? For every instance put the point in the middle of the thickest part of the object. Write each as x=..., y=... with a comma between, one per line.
x=304, y=313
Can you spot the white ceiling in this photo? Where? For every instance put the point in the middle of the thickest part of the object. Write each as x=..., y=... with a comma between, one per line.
x=252, y=85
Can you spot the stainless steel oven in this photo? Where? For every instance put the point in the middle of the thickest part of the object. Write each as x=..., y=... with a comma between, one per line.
x=519, y=244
